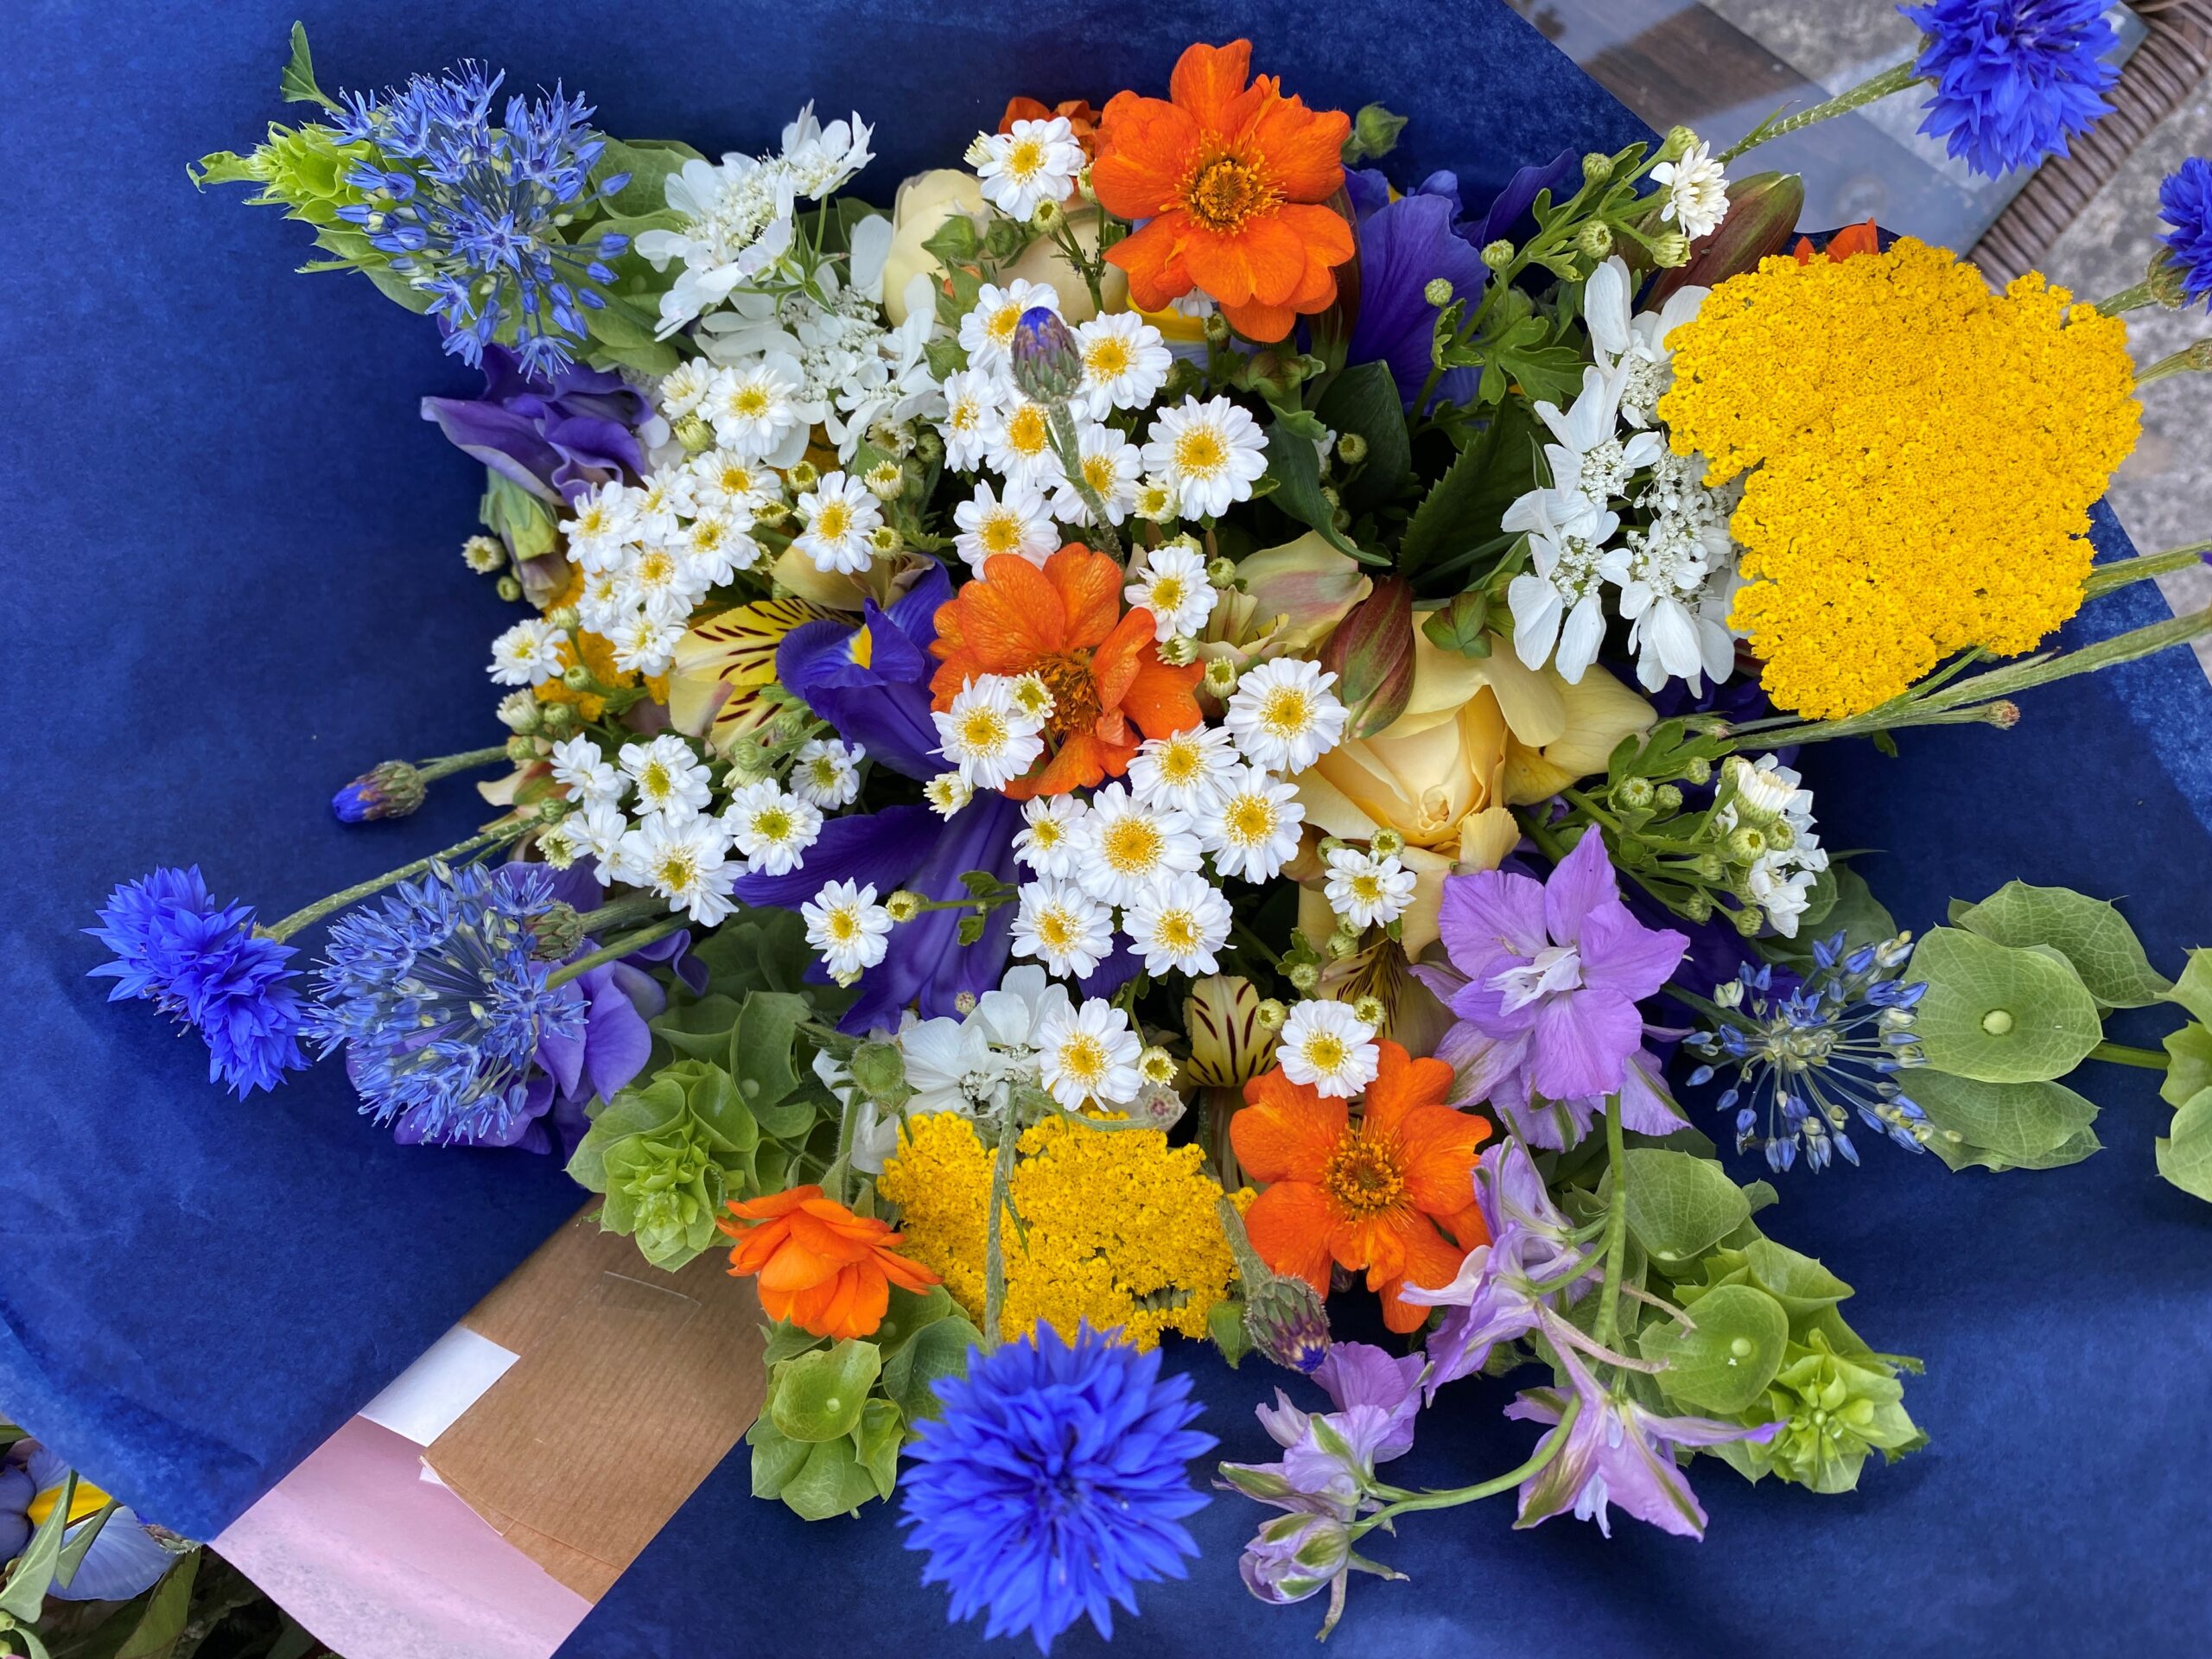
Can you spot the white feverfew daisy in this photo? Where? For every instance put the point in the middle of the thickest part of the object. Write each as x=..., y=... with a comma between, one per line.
x=985, y=736
x=659, y=582
x=686, y=862
x=1033, y=697
x=846, y=926
x=1187, y=771
x=1089, y=1054
x=578, y=764
x=684, y=387
x=1367, y=890
x=825, y=773
x=1696, y=186
x=1283, y=715
x=1253, y=831
x=947, y=793
x=1034, y=162
x=840, y=516
x=672, y=782
x=1155, y=501
x=642, y=644
x=1109, y=464
x=987, y=332
x=716, y=547
x=1179, y=924
x=1326, y=1045
x=598, y=831
x=1051, y=838
x=1063, y=927
x=1209, y=453
x=771, y=829
x=724, y=482
x=1018, y=443
x=1127, y=848
x=528, y=653
x=753, y=407
x=557, y=846
x=604, y=522
x=601, y=604
x=1125, y=362
x=1172, y=586
x=971, y=401
x=1012, y=521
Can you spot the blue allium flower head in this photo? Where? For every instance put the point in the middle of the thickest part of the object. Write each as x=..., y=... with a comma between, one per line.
x=1054, y=1483
x=440, y=997
x=2013, y=78
x=202, y=964
x=471, y=213
x=2185, y=203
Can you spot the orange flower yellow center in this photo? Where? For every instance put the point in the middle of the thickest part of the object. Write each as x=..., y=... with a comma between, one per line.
x=1362, y=1177
x=1075, y=694
x=1225, y=192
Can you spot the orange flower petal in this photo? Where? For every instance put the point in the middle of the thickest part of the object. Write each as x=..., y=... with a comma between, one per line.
x=1402, y=1083
x=1289, y=1225
x=1090, y=586
x=1304, y=148
x=1152, y=258
x=1145, y=146
x=1160, y=697
x=1431, y=1260
x=1013, y=616
x=771, y=1204
x=1436, y=1152
x=1080, y=763
x=906, y=1275
x=1209, y=80
x=820, y=1238
x=1114, y=665
x=1262, y=323
x=1288, y=1132
x=1375, y=1243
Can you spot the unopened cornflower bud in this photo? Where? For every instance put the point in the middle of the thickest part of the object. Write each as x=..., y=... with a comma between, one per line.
x=1217, y=328
x=694, y=434
x=1288, y=1321
x=1387, y=843
x=1670, y=249
x=1047, y=217
x=1270, y=1014
x=1597, y=167
x=2167, y=280
x=1666, y=798
x=1438, y=290
x=884, y=539
x=1595, y=239
x=391, y=790
x=1047, y=363
x=802, y=476
x=905, y=905
x=1697, y=770
x=1178, y=652
x=1633, y=794
x=518, y=712
x=1306, y=977
x=885, y=480
x=1370, y=1011
x=562, y=617
x=1351, y=448
x=555, y=932
x=484, y=554
x=1156, y=1066
x=509, y=589
x=1747, y=843
x=1498, y=255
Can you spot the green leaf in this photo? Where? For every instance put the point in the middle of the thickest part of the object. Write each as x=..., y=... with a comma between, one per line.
x=1856, y=913
x=2000, y=1014
x=1727, y=1361
x=2016, y=1121
x=2087, y=932
x=938, y=1350
x=2193, y=990
x=776, y=1457
x=1364, y=399
x=2185, y=1154
x=649, y=162
x=24, y=1598
x=623, y=334
x=908, y=1313
x=818, y=1396
x=876, y=1442
x=1295, y=467
x=700, y=1029
x=1225, y=1326
x=2189, y=1052
x=1463, y=509
x=786, y=1342
x=296, y=85
x=168, y=1611
x=1461, y=625
x=830, y=1482
x=1678, y=1206
x=954, y=244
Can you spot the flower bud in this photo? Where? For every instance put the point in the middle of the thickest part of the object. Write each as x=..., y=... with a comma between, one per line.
x=749, y=763
x=562, y=617
x=518, y=712
x=1670, y=248
x=1346, y=940
x=885, y=480
x=929, y=447
x=1597, y=167
x=1697, y=770
x=391, y=790
x=1306, y=977
x=1220, y=678
x=1666, y=798
x=509, y=589
x=1633, y=794
x=1749, y=920
x=1221, y=572
x=2004, y=714
x=1679, y=139
x=1370, y=1010
x=904, y=905
x=1179, y=651
x=1595, y=239
x=1498, y=254
x=1048, y=365
x=769, y=514
x=1698, y=906
x=694, y=434
x=880, y=1072
x=1351, y=448
x=556, y=932
x=522, y=750
x=1288, y=1321
x=1271, y=1014
x=1387, y=843
x=1438, y=293
x=484, y=554
x=802, y=476
x=884, y=539
x=1047, y=217
x=560, y=718
x=576, y=677
x=1747, y=843
x=1156, y=1066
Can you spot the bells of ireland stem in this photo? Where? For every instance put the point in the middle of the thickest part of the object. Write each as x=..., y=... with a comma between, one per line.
x=1047, y=366
x=391, y=790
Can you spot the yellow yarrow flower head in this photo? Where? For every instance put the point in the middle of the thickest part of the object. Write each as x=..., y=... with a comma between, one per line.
x=1923, y=455
x=1118, y=1228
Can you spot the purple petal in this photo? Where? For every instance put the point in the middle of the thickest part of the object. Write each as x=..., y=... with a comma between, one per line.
x=1583, y=880
x=617, y=1041
x=1490, y=920
x=1620, y=954
x=1583, y=1039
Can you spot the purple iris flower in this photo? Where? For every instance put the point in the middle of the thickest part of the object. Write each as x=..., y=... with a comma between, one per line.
x=872, y=682
x=123, y=1561
x=1554, y=970
x=1616, y=1452
x=556, y=439
x=1406, y=243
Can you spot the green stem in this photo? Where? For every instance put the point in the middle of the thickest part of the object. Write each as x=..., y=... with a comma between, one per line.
x=618, y=950
x=1491, y=1488
x=843, y=1166
x=309, y=915
x=2106, y=578
x=2194, y=356
x=1615, y=1225
x=1250, y=1268
x=1895, y=79
x=2126, y=300
x=2151, y=1059
x=993, y=1250
x=1070, y=452
x=446, y=764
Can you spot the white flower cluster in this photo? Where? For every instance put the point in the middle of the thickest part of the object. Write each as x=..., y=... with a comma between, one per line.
x=1675, y=573
x=1767, y=796
x=672, y=839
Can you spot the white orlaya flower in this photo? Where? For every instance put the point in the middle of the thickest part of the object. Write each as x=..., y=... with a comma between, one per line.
x=1125, y=362
x=952, y=1067
x=1128, y=846
x=1051, y=838
x=1062, y=927
x=1252, y=830
x=821, y=159
x=736, y=222
x=1172, y=586
x=578, y=765
x=1633, y=348
x=1558, y=603
x=1178, y=925
x=528, y=653
x=1088, y=1055
x=987, y=332
x=1187, y=771
x=670, y=779
x=1013, y=520
x=1029, y=164
x=1108, y=463
x=1012, y=1015
x=1589, y=457
x=686, y=862
x=847, y=928
x=771, y=829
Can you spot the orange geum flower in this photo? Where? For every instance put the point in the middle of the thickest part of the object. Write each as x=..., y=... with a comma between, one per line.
x=1064, y=624
x=1394, y=1193
x=1235, y=181
x=821, y=1268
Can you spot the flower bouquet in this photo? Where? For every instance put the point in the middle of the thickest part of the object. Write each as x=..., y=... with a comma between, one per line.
x=1178, y=736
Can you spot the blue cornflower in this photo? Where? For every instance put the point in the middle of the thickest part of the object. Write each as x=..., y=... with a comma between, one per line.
x=1809, y=1053
x=202, y=964
x=1054, y=1484
x=2185, y=203
x=439, y=994
x=471, y=213
x=2013, y=78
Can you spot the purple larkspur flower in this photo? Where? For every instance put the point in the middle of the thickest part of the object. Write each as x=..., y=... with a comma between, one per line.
x=1616, y=1452
x=2185, y=204
x=1554, y=970
x=2013, y=79
x=557, y=436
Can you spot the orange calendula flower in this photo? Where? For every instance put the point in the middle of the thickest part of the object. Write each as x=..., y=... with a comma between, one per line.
x=821, y=1268
x=1394, y=1193
x=1235, y=180
x=1065, y=625
x=1863, y=237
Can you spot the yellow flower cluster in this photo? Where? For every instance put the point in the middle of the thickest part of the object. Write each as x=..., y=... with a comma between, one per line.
x=1926, y=454
x=1117, y=1229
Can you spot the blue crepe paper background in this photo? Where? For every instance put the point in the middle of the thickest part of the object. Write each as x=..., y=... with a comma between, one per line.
x=232, y=547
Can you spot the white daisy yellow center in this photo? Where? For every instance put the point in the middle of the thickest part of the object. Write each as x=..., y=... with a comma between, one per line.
x=833, y=521
x=1132, y=845
x=1286, y=712
x=1082, y=1059
x=1027, y=434
x=1199, y=451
